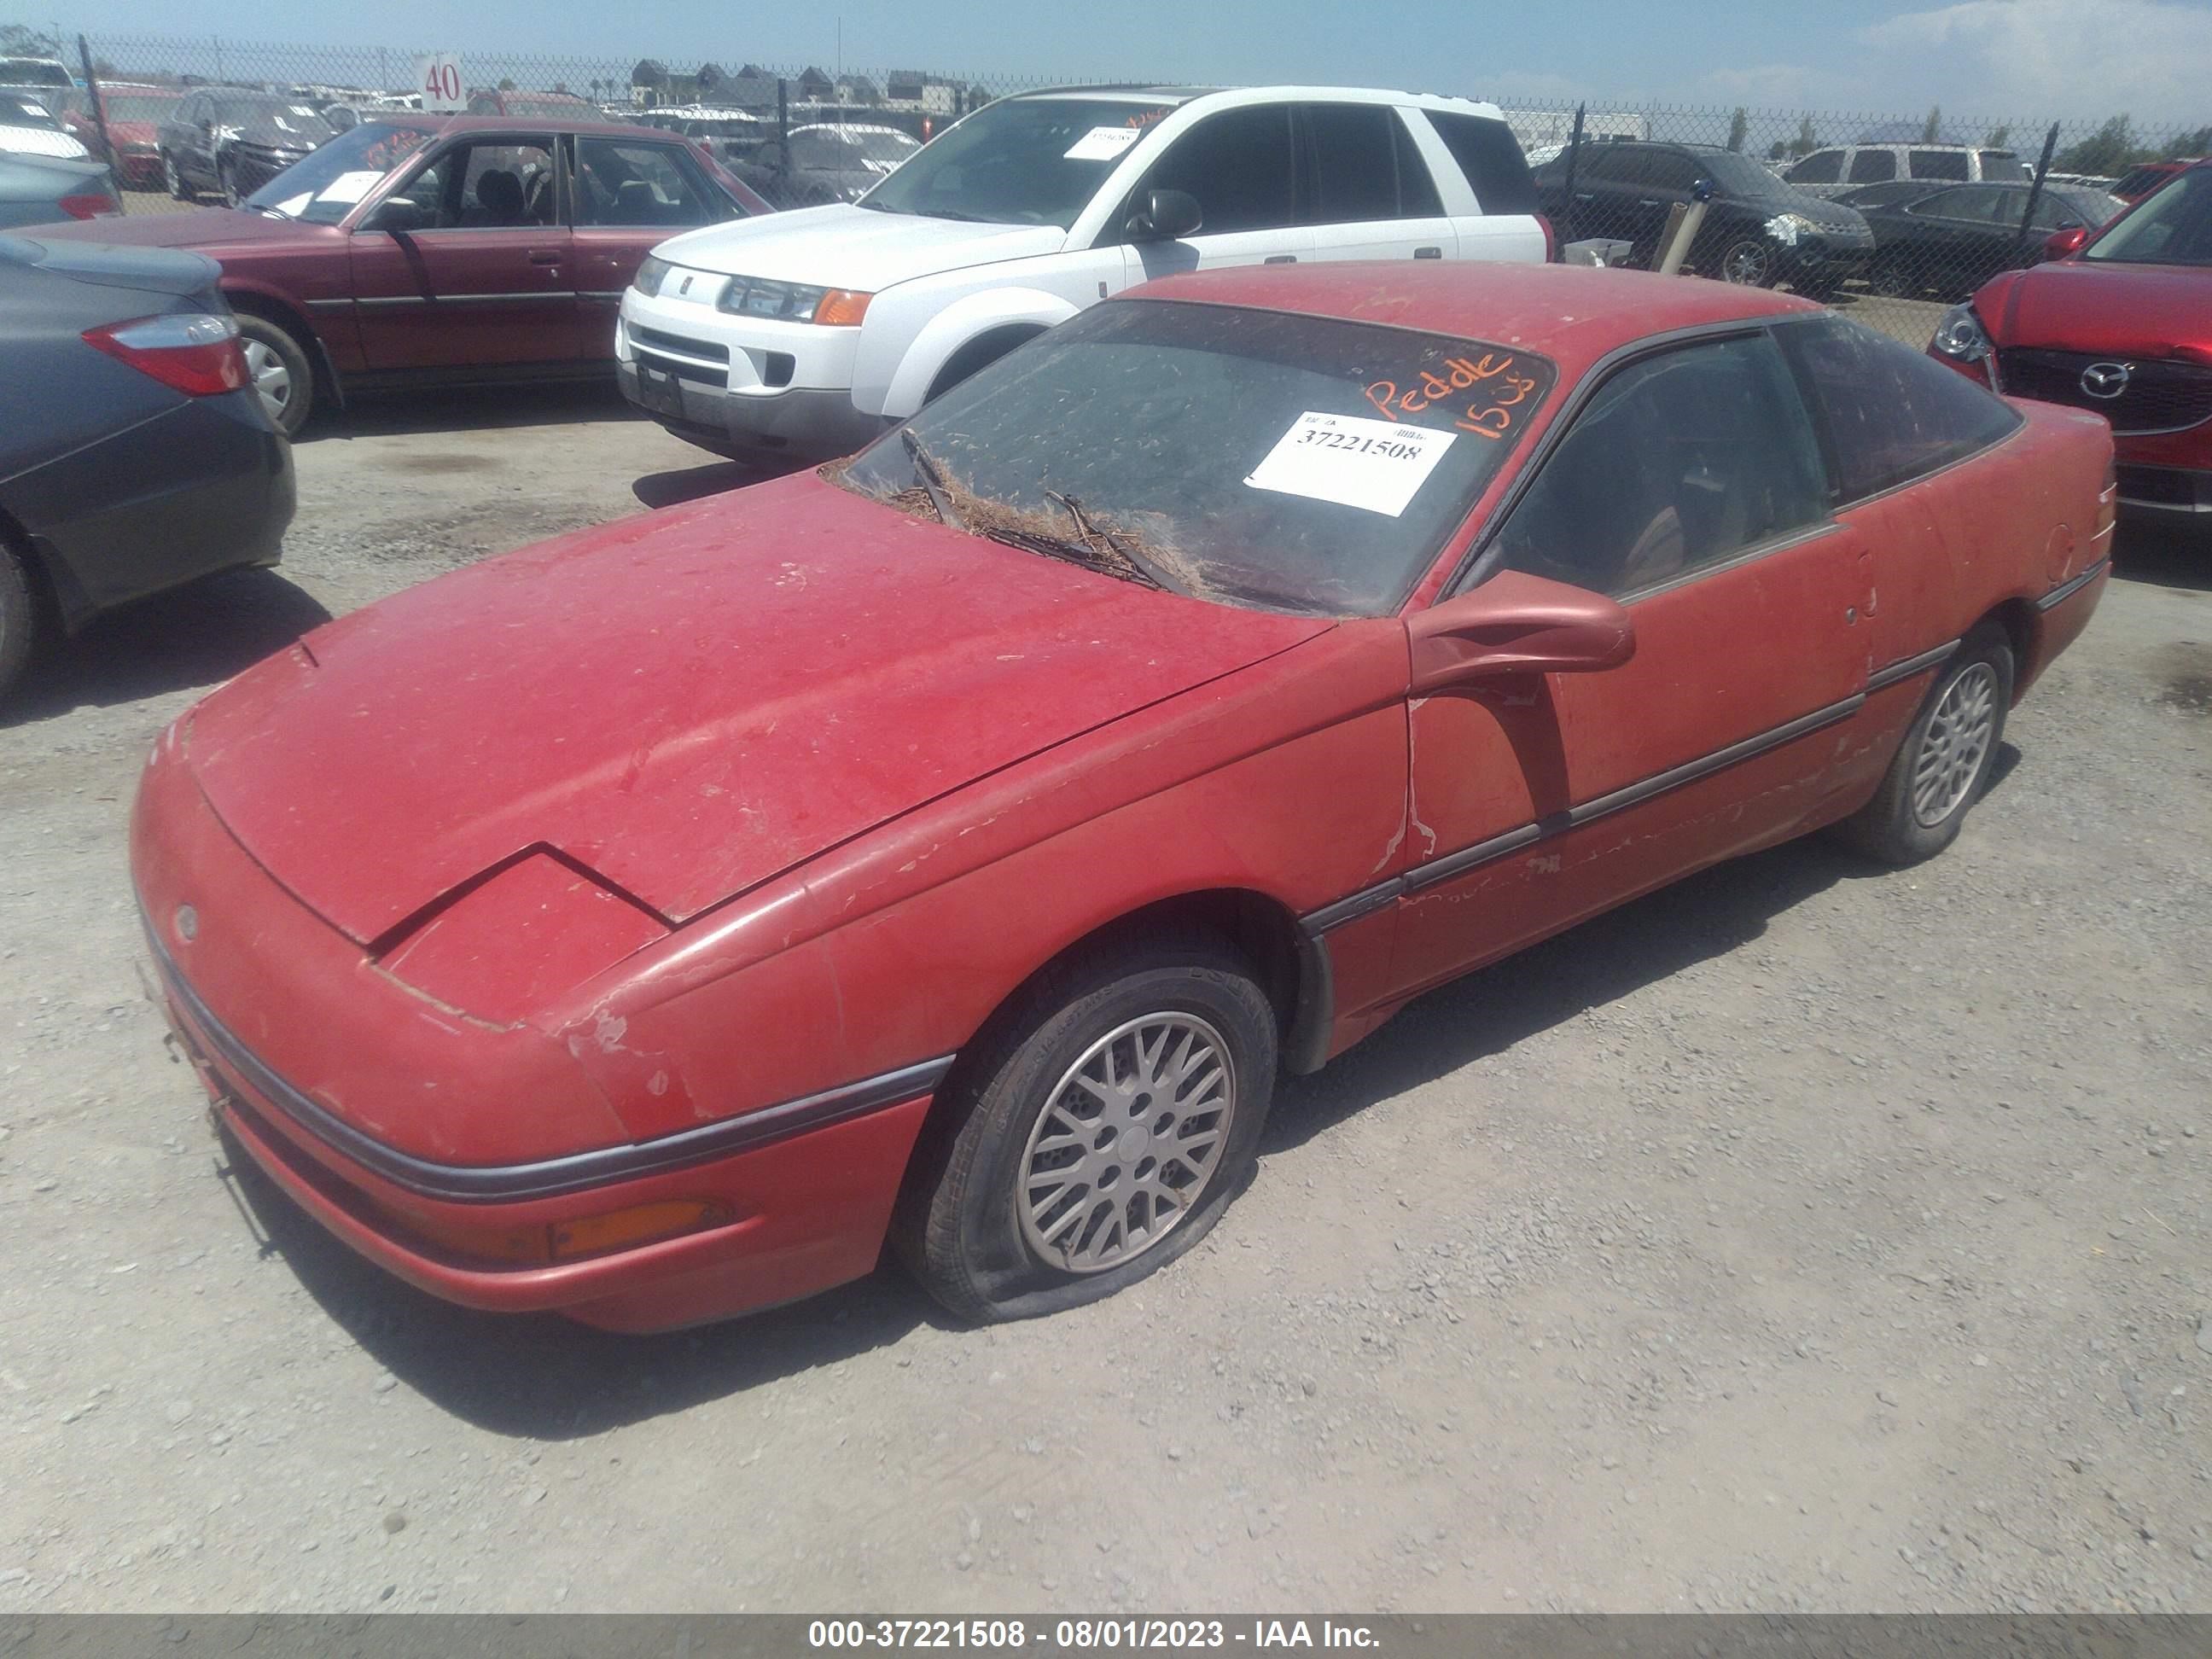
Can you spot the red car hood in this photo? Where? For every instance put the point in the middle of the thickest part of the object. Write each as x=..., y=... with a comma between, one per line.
x=688, y=703
x=205, y=228
x=2083, y=305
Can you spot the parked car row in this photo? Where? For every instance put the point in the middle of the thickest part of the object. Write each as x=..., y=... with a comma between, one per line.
x=625, y=1026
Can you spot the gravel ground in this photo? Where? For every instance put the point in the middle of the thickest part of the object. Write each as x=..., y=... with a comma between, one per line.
x=1803, y=1237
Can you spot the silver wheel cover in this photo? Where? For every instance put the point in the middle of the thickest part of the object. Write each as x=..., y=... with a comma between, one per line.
x=1745, y=263
x=272, y=379
x=1954, y=744
x=1127, y=1143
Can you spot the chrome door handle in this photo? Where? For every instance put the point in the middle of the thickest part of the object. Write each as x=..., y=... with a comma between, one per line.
x=544, y=257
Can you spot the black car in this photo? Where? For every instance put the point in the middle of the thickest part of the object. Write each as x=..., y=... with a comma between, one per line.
x=819, y=163
x=1954, y=238
x=135, y=454
x=232, y=143
x=1757, y=229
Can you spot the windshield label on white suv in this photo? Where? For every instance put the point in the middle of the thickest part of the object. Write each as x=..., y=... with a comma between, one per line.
x=1102, y=144
x=1374, y=466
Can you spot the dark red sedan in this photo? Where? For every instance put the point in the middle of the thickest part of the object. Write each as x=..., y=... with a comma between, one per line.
x=953, y=845
x=2119, y=324
x=425, y=249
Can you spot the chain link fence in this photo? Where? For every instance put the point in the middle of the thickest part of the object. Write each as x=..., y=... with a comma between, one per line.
x=1890, y=217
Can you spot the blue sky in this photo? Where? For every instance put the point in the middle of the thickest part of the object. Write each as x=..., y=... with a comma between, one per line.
x=1997, y=59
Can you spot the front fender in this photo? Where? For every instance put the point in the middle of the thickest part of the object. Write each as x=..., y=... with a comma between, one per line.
x=966, y=319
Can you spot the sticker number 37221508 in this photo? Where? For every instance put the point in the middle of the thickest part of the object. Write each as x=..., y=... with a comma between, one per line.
x=1374, y=466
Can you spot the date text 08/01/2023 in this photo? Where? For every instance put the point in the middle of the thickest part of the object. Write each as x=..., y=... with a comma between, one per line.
x=1084, y=1635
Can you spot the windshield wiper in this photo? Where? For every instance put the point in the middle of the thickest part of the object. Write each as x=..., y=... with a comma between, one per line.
x=932, y=481
x=1097, y=535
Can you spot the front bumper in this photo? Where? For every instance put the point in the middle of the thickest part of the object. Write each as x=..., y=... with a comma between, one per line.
x=427, y=1141
x=740, y=384
x=800, y=424
x=2166, y=492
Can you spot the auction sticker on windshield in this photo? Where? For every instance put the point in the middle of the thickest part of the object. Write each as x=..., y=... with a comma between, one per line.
x=1103, y=143
x=1374, y=466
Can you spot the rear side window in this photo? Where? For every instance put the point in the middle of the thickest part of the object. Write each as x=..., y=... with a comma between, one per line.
x=1938, y=164
x=1490, y=157
x=1890, y=414
x=1237, y=164
x=1679, y=462
x=1354, y=164
x=1874, y=166
x=2003, y=167
x=1822, y=166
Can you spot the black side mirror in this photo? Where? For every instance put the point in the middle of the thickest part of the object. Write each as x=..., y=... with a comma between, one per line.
x=397, y=213
x=1168, y=215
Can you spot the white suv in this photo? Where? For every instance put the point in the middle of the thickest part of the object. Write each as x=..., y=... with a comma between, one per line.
x=806, y=333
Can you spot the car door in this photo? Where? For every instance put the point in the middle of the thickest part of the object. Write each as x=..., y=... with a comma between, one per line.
x=1484, y=180
x=1951, y=234
x=1365, y=192
x=631, y=195
x=485, y=276
x=1240, y=165
x=1819, y=174
x=199, y=167
x=1690, y=487
x=1608, y=185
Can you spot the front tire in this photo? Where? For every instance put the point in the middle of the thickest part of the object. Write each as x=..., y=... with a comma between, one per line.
x=18, y=620
x=1944, y=763
x=172, y=180
x=1098, y=1136
x=1748, y=262
x=280, y=370
x=226, y=178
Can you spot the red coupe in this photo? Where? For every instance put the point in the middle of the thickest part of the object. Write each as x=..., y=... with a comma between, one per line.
x=421, y=249
x=953, y=845
x=2120, y=322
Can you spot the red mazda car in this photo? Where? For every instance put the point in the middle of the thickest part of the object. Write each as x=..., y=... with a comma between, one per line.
x=2119, y=322
x=422, y=249
x=131, y=112
x=953, y=845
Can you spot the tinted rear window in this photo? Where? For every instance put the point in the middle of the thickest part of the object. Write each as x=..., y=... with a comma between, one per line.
x=1891, y=414
x=1490, y=155
x=1938, y=164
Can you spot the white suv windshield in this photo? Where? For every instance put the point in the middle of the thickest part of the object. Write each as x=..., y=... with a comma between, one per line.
x=1024, y=161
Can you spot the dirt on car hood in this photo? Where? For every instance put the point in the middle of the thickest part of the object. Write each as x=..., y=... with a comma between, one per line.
x=688, y=702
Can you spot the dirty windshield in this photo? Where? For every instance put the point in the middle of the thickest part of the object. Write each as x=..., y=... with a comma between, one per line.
x=324, y=187
x=1024, y=161
x=1260, y=458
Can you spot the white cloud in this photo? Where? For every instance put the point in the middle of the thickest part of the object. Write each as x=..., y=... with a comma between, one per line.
x=2058, y=57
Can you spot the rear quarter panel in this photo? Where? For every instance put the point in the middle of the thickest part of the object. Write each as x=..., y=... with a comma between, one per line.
x=1992, y=532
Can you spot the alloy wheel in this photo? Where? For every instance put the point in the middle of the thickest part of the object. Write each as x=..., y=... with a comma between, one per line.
x=1745, y=263
x=272, y=379
x=1127, y=1143
x=1954, y=746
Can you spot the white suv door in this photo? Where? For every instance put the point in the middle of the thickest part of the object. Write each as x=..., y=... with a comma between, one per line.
x=1369, y=193
x=1237, y=164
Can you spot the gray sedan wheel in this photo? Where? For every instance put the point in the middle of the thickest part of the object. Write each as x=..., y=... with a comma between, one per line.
x=17, y=618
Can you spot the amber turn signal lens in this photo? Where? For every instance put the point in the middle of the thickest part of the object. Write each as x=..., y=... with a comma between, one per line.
x=640, y=1223
x=842, y=308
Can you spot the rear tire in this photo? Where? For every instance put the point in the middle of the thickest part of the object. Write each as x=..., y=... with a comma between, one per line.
x=1888, y=283
x=1943, y=764
x=172, y=180
x=282, y=372
x=18, y=620
x=1098, y=1135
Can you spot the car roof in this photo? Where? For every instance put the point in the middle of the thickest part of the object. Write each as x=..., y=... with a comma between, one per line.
x=452, y=124
x=1179, y=95
x=1573, y=314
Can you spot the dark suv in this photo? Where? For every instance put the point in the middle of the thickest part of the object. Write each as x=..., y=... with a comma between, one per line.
x=1758, y=230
